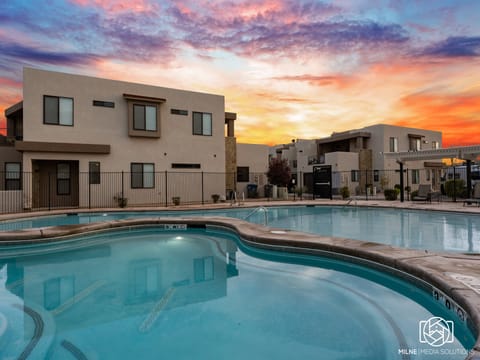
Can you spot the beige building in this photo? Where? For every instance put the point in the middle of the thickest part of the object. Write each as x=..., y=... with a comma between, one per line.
x=252, y=166
x=357, y=157
x=78, y=134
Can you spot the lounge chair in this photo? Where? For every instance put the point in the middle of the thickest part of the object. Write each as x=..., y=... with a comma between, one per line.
x=476, y=196
x=425, y=193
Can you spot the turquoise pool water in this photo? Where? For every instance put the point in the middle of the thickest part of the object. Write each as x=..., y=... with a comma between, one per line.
x=430, y=230
x=200, y=294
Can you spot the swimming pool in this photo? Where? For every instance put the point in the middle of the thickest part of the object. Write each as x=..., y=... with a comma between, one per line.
x=201, y=293
x=414, y=229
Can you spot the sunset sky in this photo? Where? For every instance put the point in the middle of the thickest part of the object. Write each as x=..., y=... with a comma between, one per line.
x=289, y=68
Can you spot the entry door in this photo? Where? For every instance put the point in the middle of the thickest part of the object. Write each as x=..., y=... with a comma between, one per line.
x=322, y=182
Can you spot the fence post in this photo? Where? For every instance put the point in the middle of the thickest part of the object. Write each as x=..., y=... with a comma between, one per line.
x=402, y=195
x=366, y=185
x=89, y=192
x=203, y=200
x=166, y=188
x=49, y=190
x=123, y=189
x=454, y=185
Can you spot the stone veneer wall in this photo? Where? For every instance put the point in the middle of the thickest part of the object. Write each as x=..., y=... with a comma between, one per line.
x=230, y=163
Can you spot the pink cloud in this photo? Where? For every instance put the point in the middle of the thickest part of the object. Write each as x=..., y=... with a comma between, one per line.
x=113, y=6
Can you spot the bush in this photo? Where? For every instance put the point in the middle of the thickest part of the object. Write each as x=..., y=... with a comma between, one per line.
x=279, y=172
x=345, y=192
x=457, y=186
x=390, y=194
x=414, y=194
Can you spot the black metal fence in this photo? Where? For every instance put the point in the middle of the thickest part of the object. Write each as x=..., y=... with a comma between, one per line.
x=46, y=191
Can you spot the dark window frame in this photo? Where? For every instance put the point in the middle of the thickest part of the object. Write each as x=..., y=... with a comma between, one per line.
x=45, y=122
x=355, y=175
x=101, y=103
x=243, y=172
x=179, y=112
x=202, y=130
x=186, y=166
x=142, y=174
x=64, y=182
x=94, y=174
x=144, y=128
x=17, y=181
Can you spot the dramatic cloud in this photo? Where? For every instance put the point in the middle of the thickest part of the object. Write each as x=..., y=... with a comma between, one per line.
x=289, y=68
x=459, y=46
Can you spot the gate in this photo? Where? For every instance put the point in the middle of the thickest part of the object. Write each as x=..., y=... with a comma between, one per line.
x=322, y=182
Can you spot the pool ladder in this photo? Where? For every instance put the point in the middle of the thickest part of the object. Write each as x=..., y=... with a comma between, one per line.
x=265, y=213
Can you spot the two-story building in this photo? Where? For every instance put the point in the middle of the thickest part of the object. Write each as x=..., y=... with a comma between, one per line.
x=356, y=157
x=78, y=133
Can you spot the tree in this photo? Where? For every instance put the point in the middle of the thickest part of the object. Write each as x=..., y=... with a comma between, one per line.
x=279, y=172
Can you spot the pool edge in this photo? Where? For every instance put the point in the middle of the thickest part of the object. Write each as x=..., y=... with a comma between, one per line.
x=433, y=268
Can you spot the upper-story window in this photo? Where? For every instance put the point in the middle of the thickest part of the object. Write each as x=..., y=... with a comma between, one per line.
x=202, y=123
x=57, y=110
x=435, y=145
x=393, y=144
x=143, y=115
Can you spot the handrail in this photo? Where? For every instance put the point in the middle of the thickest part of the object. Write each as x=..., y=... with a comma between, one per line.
x=265, y=212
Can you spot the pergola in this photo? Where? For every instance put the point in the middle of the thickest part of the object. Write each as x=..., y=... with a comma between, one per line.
x=467, y=153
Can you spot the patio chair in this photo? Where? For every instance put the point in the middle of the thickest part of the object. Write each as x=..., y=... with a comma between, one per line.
x=476, y=196
x=425, y=193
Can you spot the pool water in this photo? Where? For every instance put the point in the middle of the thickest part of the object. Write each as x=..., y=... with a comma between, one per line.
x=414, y=229
x=148, y=293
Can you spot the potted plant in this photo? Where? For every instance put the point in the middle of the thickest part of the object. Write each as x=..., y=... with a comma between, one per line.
x=176, y=200
x=215, y=198
x=121, y=201
x=390, y=194
x=345, y=192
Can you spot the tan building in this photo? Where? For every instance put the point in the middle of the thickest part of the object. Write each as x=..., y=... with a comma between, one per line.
x=252, y=166
x=79, y=133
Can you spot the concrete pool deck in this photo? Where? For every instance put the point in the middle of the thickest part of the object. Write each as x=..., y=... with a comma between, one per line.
x=455, y=278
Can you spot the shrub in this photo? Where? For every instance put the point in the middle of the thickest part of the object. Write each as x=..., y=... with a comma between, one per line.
x=457, y=186
x=279, y=172
x=215, y=198
x=390, y=194
x=345, y=192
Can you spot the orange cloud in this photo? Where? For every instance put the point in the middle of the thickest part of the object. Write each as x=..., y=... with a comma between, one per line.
x=457, y=116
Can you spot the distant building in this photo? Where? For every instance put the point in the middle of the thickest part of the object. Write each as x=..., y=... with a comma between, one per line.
x=356, y=157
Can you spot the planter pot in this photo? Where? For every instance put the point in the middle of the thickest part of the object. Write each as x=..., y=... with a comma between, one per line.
x=283, y=193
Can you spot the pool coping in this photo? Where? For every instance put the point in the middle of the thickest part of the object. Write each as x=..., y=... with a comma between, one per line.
x=443, y=271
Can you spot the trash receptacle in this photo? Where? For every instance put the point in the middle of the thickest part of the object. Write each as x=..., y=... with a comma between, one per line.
x=252, y=190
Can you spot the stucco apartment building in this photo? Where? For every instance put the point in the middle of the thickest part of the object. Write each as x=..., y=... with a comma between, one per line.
x=354, y=153
x=77, y=133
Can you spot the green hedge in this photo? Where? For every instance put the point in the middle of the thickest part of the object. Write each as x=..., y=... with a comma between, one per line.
x=390, y=194
x=458, y=185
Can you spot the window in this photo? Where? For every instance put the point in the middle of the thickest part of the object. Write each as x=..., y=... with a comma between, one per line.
x=144, y=117
x=94, y=172
x=427, y=174
x=355, y=175
x=12, y=176
x=185, y=166
x=243, y=173
x=393, y=144
x=202, y=123
x=435, y=145
x=142, y=176
x=57, y=291
x=376, y=175
x=63, y=179
x=57, y=110
x=415, y=144
x=203, y=269
x=109, y=104
x=179, y=112
x=415, y=176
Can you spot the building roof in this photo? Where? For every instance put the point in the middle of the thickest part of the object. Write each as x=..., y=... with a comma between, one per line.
x=457, y=152
x=346, y=135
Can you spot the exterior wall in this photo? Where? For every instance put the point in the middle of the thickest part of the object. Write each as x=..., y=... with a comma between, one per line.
x=380, y=143
x=103, y=125
x=255, y=156
x=306, y=159
x=230, y=163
